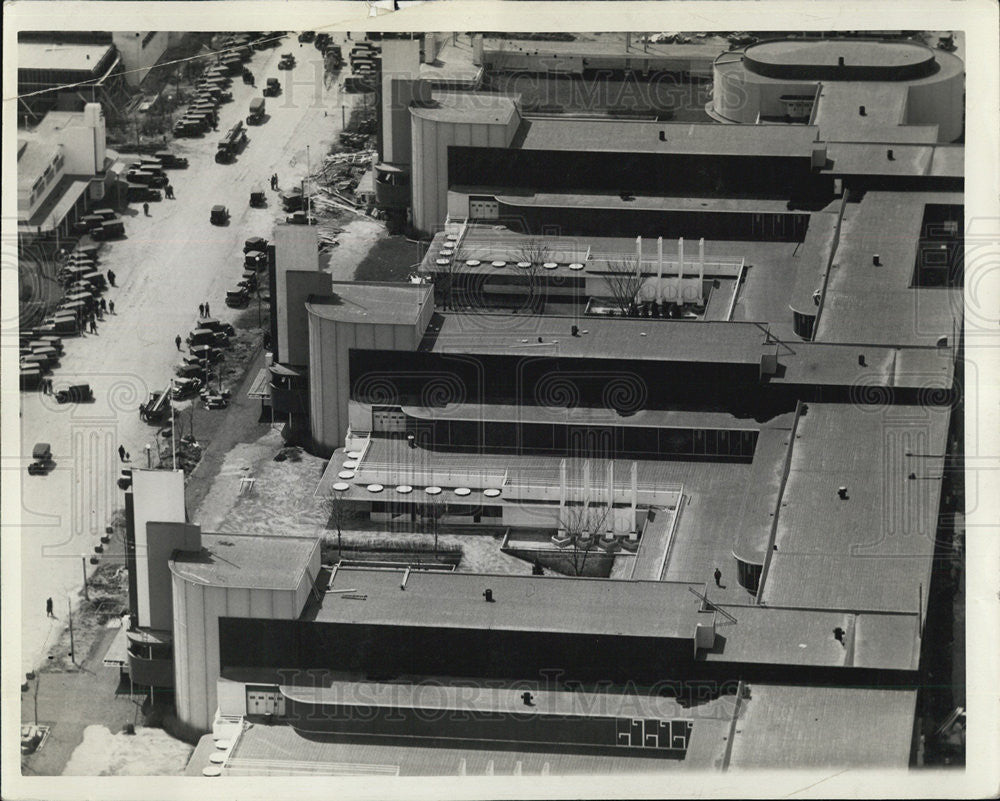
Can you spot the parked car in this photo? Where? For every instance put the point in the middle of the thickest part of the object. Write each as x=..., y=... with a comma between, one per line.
x=170, y=161
x=87, y=223
x=41, y=456
x=138, y=193
x=300, y=218
x=238, y=299
x=219, y=215
x=272, y=88
x=258, y=199
x=206, y=353
x=105, y=214
x=307, y=36
x=255, y=243
x=213, y=324
x=255, y=260
x=185, y=388
x=205, y=336
x=287, y=61
x=189, y=368
x=113, y=229
x=292, y=199
x=76, y=393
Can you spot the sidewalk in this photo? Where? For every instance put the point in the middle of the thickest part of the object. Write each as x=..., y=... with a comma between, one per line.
x=69, y=701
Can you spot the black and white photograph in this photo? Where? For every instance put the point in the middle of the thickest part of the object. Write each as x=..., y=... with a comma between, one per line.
x=495, y=403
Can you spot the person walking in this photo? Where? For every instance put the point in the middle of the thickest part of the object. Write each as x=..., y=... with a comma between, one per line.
x=121, y=452
x=177, y=341
x=48, y=608
x=201, y=310
x=208, y=312
x=145, y=209
x=170, y=191
x=111, y=306
x=718, y=577
x=111, y=277
x=128, y=456
x=93, y=324
x=104, y=305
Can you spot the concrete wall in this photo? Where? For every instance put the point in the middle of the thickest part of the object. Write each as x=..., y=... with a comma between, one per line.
x=138, y=52
x=329, y=369
x=296, y=250
x=158, y=496
x=400, y=86
x=197, y=609
x=941, y=103
x=431, y=140
x=162, y=539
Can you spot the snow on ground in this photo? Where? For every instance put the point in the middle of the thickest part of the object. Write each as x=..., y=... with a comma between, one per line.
x=283, y=503
x=148, y=752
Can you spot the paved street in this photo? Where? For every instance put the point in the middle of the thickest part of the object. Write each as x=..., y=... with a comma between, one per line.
x=170, y=262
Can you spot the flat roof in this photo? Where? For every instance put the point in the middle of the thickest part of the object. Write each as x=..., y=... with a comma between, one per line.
x=872, y=158
x=641, y=136
x=467, y=107
x=653, y=418
x=874, y=549
x=520, y=603
x=838, y=103
x=801, y=727
x=855, y=52
x=879, y=305
x=246, y=561
x=608, y=200
x=371, y=302
x=33, y=157
x=599, y=337
x=608, y=43
x=60, y=56
x=797, y=635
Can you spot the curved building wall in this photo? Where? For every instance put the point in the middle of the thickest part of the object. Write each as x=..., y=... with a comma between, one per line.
x=197, y=609
x=940, y=103
x=431, y=140
x=330, y=343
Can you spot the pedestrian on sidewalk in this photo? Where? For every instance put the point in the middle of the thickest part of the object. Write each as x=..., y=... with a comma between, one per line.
x=121, y=452
x=718, y=577
x=111, y=277
x=104, y=305
x=201, y=310
x=170, y=191
x=208, y=312
x=128, y=456
x=111, y=306
x=93, y=324
x=48, y=608
x=177, y=341
x=145, y=209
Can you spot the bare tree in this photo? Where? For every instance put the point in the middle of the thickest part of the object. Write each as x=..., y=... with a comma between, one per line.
x=583, y=525
x=534, y=253
x=336, y=508
x=624, y=280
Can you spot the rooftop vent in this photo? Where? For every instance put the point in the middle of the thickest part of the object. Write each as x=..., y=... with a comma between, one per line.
x=488, y=595
x=842, y=493
x=942, y=342
x=889, y=155
x=663, y=136
x=840, y=61
x=861, y=360
x=876, y=260
x=861, y=111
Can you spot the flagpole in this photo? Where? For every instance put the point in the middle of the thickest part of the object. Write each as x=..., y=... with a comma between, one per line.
x=173, y=427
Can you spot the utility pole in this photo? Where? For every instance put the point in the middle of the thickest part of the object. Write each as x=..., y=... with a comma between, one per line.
x=173, y=428
x=83, y=564
x=72, y=647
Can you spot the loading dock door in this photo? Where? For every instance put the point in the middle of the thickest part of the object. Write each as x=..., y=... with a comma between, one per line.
x=265, y=701
x=483, y=208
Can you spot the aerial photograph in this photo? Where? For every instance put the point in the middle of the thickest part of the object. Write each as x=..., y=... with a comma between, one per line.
x=489, y=404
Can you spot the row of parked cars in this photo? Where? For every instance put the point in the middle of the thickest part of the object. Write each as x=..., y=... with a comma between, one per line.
x=211, y=91
x=254, y=262
x=41, y=347
x=100, y=224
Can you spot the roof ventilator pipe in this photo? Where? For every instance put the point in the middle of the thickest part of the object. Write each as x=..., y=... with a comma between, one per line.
x=862, y=111
x=876, y=260
x=663, y=136
x=840, y=61
x=890, y=155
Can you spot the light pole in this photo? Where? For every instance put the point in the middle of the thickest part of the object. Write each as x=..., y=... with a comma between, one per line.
x=72, y=646
x=149, y=456
x=173, y=428
x=83, y=564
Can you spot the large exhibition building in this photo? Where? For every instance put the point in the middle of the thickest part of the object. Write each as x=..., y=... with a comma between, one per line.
x=703, y=376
